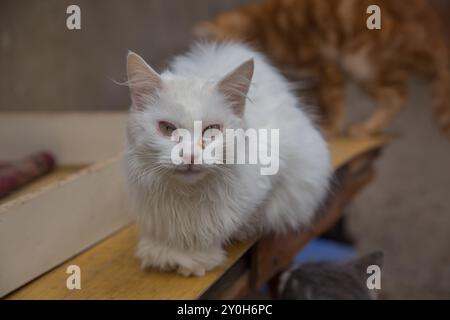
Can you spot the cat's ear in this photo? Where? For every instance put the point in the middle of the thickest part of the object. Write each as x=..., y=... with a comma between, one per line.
x=235, y=85
x=143, y=81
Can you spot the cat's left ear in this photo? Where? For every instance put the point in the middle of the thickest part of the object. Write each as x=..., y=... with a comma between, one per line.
x=235, y=86
x=143, y=81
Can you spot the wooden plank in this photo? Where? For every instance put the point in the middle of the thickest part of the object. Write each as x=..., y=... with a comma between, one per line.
x=110, y=270
x=343, y=149
x=42, y=229
x=233, y=281
x=238, y=288
x=72, y=208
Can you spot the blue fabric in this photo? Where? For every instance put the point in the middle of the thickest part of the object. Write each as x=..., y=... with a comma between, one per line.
x=324, y=250
x=320, y=250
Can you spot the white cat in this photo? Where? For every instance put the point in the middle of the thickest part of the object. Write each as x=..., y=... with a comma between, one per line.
x=186, y=213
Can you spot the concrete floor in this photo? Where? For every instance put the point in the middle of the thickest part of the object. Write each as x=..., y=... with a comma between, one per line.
x=406, y=211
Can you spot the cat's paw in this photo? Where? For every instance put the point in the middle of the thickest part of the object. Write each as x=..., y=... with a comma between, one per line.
x=184, y=262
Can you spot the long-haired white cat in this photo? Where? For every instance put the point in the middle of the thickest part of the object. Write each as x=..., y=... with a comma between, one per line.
x=187, y=212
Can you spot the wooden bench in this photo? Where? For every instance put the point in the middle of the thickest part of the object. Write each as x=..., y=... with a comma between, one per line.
x=109, y=269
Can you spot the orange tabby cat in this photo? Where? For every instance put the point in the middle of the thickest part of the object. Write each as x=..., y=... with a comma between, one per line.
x=332, y=38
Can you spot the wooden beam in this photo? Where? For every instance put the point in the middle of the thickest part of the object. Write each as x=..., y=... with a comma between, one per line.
x=109, y=270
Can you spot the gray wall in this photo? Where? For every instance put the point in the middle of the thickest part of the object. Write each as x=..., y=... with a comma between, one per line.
x=44, y=66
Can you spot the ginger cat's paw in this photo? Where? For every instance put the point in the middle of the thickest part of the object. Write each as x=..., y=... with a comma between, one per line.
x=184, y=262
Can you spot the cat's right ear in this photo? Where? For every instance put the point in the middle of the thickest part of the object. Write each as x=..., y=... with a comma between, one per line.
x=144, y=82
x=236, y=84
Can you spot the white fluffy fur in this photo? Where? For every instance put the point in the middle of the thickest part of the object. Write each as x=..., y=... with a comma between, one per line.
x=185, y=223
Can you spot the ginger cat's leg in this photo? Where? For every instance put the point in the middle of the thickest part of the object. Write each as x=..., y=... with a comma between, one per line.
x=390, y=95
x=332, y=97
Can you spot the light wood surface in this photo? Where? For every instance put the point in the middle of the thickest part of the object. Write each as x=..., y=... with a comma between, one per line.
x=109, y=270
x=344, y=149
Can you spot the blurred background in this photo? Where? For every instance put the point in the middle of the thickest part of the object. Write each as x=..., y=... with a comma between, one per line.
x=405, y=212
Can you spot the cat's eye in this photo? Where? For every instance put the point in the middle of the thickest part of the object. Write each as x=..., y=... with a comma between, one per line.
x=213, y=126
x=166, y=128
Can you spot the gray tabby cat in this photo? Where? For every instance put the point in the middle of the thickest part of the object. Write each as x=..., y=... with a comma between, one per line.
x=329, y=280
